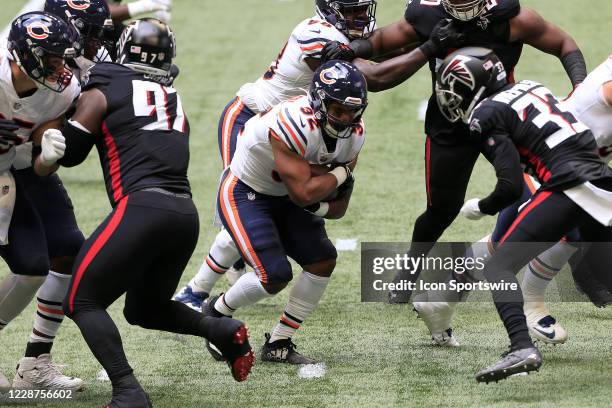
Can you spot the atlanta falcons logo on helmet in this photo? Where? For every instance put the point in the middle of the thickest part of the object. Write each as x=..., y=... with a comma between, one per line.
x=457, y=70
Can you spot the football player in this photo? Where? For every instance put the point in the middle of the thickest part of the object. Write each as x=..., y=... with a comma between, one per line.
x=516, y=125
x=271, y=203
x=36, y=89
x=591, y=102
x=142, y=135
x=287, y=77
x=92, y=20
x=503, y=26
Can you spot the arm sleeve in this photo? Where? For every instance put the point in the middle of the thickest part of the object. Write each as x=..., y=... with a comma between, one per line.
x=502, y=154
x=78, y=144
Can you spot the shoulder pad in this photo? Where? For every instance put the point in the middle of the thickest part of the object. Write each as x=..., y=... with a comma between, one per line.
x=294, y=125
x=313, y=34
x=504, y=10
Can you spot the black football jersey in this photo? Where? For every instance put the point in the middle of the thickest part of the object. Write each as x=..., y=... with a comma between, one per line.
x=145, y=134
x=491, y=30
x=553, y=146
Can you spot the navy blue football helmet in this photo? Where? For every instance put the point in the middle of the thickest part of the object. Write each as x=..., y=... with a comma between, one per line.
x=40, y=43
x=92, y=19
x=354, y=18
x=342, y=83
x=148, y=46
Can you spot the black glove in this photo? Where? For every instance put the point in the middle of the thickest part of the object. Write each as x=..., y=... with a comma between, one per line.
x=446, y=34
x=8, y=137
x=335, y=50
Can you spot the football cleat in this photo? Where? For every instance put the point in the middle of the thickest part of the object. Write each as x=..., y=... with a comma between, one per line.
x=283, y=351
x=208, y=309
x=130, y=398
x=233, y=274
x=190, y=298
x=544, y=327
x=438, y=317
x=5, y=385
x=512, y=362
x=40, y=373
x=597, y=293
x=231, y=338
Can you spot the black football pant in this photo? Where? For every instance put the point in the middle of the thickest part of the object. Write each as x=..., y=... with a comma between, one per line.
x=447, y=173
x=548, y=217
x=141, y=249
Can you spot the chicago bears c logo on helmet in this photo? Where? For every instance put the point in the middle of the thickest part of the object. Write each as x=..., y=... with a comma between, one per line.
x=329, y=76
x=458, y=71
x=38, y=30
x=79, y=4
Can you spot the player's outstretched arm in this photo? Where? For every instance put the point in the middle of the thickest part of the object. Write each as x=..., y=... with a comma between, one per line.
x=531, y=28
x=304, y=189
x=70, y=146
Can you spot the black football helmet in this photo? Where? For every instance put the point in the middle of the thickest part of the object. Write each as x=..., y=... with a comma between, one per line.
x=466, y=10
x=91, y=18
x=148, y=46
x=465, y=78
x=354, y=18
x=40, y=43
x=340, y=82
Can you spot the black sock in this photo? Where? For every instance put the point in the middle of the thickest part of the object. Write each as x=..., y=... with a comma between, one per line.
x=38, y=348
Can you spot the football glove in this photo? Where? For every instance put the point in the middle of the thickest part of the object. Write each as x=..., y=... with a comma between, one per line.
x=8, y=137
x=335, y=50
x=446, y=34
x=471, y=209
x=161, y=7
x=53, y=147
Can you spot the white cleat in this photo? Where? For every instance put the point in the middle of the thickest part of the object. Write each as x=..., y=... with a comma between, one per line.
x=234, y=274
x=5, y=385
x=438, y=317
x=542, y=326
x=39, y=373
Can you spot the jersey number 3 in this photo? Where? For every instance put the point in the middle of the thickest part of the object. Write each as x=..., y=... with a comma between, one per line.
x=154, y=100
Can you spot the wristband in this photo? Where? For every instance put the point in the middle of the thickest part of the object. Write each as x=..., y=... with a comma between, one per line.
x=323, y=209
x=429, y=49
x=341, y=174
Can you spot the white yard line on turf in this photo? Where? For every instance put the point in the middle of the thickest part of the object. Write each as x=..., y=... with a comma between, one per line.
x=29, y=6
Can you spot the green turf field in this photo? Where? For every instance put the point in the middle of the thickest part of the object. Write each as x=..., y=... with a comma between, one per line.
x=377, y=355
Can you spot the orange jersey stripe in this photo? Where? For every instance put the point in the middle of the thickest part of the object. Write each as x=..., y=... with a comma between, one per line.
x=290, y=324
x=214, y=267
x=312, y=47
x=292, y=133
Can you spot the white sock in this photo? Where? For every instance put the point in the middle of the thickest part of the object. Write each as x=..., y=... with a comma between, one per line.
x=303, y=299
x=49, y=312
x=246, y=291
x=539, y=273
x=16, y=292
x=223, y=254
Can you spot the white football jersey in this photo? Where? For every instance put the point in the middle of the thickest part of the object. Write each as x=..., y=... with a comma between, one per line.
x=290, y=75
x=292, y=122
x=29, y=112
x=589, y=105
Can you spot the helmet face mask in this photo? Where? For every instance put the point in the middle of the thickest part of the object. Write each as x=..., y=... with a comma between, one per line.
x=466, y=10
x=338, y=96
x=464, y=79
x=92, y=20
x=354, y=18
x=147, y=46
x=40, y=43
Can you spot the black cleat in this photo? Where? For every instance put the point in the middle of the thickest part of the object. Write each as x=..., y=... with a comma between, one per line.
x=130, y=398
x=231, y=338
x=512, y=362
x=208, y=309
x=597, y=293
x=283, y=351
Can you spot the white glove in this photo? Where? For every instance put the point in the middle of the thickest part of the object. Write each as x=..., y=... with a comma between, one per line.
x=136, y=8
x=471, y=210
x=53, y=147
